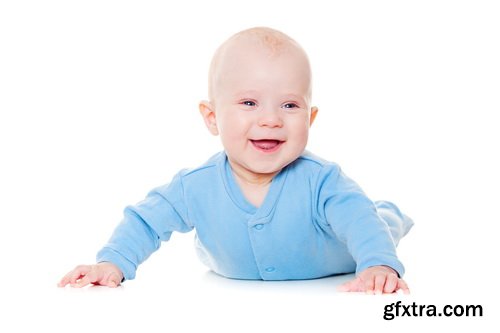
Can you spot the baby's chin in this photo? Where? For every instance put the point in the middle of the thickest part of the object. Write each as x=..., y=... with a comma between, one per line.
x=263, y=165
x=266, y=168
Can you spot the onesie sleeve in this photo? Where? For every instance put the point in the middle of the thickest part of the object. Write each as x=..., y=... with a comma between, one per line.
x=354, y=219
x=145, y=225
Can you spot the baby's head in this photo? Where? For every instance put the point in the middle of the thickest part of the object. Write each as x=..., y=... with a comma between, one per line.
x=260, y=100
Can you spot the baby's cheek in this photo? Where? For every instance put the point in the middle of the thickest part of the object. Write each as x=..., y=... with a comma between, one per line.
x=301, y=135
x=234, y=126
x=232, y=140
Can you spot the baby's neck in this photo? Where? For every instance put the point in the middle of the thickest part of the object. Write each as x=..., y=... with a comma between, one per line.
x=254, y=186
x=255, y=180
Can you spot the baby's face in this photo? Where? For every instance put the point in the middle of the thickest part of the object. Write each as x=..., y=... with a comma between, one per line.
x=261, y=107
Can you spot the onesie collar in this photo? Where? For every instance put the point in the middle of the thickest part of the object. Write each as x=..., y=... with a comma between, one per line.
x=234, y=191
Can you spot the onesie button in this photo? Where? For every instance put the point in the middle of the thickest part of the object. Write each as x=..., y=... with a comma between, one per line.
x=270, y=269
x=259, y=226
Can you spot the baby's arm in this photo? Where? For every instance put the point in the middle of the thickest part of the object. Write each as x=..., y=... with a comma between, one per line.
x=376, y=280
x=104, y=274
x=139, y=234
x=354, y=219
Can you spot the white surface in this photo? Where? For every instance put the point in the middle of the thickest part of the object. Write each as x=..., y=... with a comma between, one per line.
x=98, y=104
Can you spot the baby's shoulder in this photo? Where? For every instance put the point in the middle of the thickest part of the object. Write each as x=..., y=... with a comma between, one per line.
x=209, y=166
x=315, y=164
x=200, y=176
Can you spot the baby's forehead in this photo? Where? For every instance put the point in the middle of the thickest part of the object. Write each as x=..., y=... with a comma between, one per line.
x=246, y=47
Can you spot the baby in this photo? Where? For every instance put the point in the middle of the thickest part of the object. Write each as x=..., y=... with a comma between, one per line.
x=264, y=208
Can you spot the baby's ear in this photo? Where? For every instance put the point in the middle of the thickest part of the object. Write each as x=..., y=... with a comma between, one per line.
x=314, y=113
x=207, y=111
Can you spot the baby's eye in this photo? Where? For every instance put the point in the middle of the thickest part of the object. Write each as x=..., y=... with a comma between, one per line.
x=290, y=106
x=248, y=103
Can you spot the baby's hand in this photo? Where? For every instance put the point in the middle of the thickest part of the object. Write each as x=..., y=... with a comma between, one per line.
x=103, y=273
x=376, y=280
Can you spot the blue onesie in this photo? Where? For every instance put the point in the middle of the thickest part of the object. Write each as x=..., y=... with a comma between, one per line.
x=314, y=222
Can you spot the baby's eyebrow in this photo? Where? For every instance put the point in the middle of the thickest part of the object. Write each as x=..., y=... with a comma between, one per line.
x=244, y=93
x=293, y=96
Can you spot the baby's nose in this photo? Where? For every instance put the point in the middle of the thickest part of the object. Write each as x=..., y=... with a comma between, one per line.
x=270, y=118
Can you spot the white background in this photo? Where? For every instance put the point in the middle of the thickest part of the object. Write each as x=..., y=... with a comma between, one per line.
x=98, y=104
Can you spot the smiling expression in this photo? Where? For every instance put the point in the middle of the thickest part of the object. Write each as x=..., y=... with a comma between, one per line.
x=260, y=103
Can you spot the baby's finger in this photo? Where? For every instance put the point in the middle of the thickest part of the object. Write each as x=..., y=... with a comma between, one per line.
x=403, y=286
x=352, y=285
x=64, y=281
x=74, y=275
x=391, y=284
x=379, y=283
x=113, y=280
x=78, y=272
x=90, y=277
x=82, y=282
x=369, y=284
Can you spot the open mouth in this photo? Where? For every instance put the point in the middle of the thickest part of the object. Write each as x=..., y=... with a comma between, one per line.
x=267, y=145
